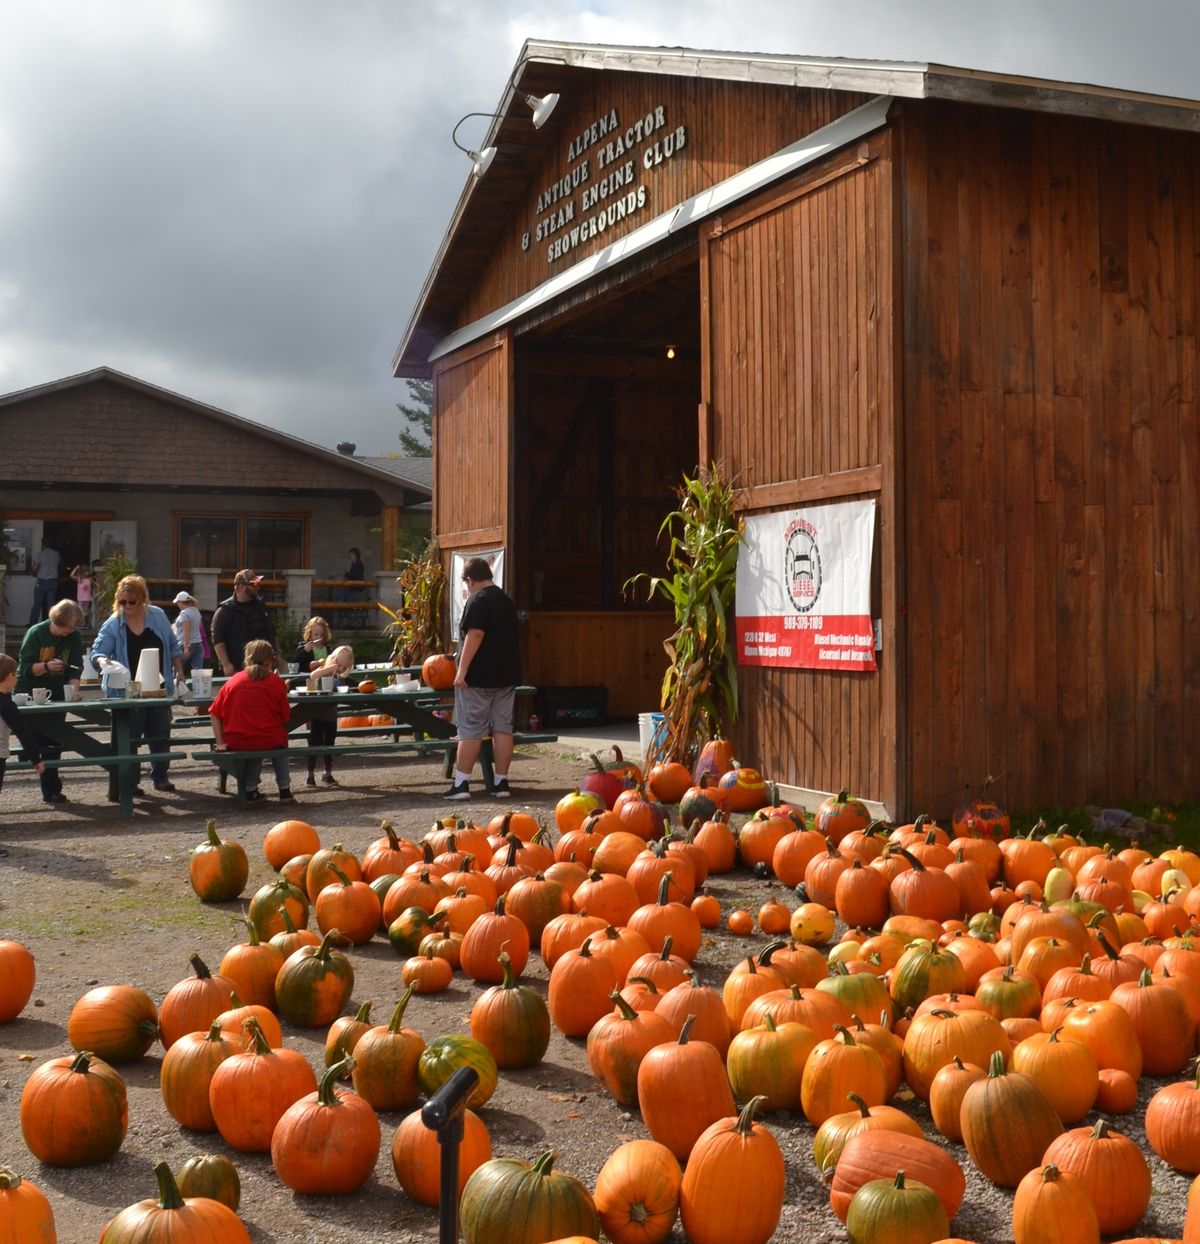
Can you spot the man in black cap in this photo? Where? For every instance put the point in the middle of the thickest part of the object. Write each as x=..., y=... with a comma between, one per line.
x=239, y=619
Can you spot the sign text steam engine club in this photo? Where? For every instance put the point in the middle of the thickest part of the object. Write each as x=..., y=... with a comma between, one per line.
x=607, y=180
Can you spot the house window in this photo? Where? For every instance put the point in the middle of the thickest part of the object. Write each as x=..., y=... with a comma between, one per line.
x=209, y=540
x=231, y=541
x=274, y=543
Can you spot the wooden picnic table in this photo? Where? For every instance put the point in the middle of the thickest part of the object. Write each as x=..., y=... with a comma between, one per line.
x=65, y=723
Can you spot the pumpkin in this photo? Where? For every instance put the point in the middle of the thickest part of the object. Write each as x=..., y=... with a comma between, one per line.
x=385, y=1061
x=535, y=901
x=212, y=1175
x=605, y=782
x=812, y=924
x=1111, y=1168
x=896, y=1209
x=367, y=686
x=577, y=805
x=1173, y=1124
x=438, y=671
x=117, y=1023
x=981, y=817
x=507, y=1201
x=716, y=758
x=1107, y=1030
x=713, y=837
x=492, y=933
x=567, y=932
x=74, y=1111
x=1117, y=1092
x=708, y=910
x=682, y=1089
x=412, y=925
x=320, y=871
x=661, y=919
x=1065, y=1070
x=925, y=969
x=25, y=1214
x=388, y=854
x=637, y=1193
x=881, y=1154
x=193, y=1004
x=349, y=905
x=710, y=1022
x=669, y=781
x=326, y=1143
x=619, y=1040
x=417, y=1155
x=1163, y=1025
x=249, y=1092
x=270, y=902
x=936, y=1037
x=427, y=973
x=186, y=1073
x=443, y=1056
x=346, y=1032
x=732, y=1190
x=252, y=967
x=314, y=984
x=511, y=1020
x=287, y=839
x=355, y=721
x=1053, y=1207
x=836, y=1067
x=767, y=1062
x=840, y=815
x=218, y=868
x=580, y=985
x=833, y=1134
x=233, y=1022
x=740, y=922
x=174, y=1218
x=17, y=975
x=1007, y=1124
x=946, y=1094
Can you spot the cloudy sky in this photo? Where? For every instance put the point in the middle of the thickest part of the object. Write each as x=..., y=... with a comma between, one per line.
x=240, y=199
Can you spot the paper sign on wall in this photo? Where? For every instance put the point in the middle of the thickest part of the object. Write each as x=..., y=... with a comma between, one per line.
x=804, y=588
x=458, y=589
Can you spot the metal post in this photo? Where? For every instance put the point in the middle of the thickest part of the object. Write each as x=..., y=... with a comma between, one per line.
x=443, y=1113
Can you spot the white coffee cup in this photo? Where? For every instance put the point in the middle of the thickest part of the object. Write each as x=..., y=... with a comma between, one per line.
x=293, y=667
x=70, y=692
x=21, y=697
x=41, y=695
x=327, y=684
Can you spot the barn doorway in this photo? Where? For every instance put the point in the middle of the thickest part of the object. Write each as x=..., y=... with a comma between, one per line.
x=606, y=425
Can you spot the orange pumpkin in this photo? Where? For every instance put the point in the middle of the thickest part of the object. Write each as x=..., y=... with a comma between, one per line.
x=367, y=686
x=637, y=1192
x=438, y=671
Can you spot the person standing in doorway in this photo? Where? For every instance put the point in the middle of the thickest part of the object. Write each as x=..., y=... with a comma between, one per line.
x=46, y=566
x=239, y=619
x=485, y=684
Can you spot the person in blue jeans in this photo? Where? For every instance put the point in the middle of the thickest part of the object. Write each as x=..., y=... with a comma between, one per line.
x=46, y=566
x=134, y=627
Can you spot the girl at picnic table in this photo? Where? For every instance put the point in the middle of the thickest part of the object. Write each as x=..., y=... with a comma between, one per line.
x=315, y=646
x=322, y=729
x=251, y=713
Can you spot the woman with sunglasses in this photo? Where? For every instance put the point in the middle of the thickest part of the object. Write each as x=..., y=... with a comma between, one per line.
x=134, y=627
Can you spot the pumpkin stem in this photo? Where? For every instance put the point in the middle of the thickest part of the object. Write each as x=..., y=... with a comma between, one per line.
x=509, y=981
x=1100, y=1131
x=664, y=888
x=254, y=1029
x=337, y=872
x=289, y=925
x=325, y=1090
x=898, y=1182
x=1145, y=979
x=745, y=1123
x=769, y=1021
x=847, y=1035
x=1049, y=1173
x=210, y=830
x=686, y=1031
x=627, y=1012
x=398, y=1013
x=651, y=987
x=168, y=1189
x=199, y=967
x=996, y=1064
x=363, y=1015
x=668, y=942
x=251, y=931
x=9, y=1180
x=393, y=841
x=585, y=951
x=863, y=1108
x=764, y=958
x=214, y=1031
x=543, y=1165
x=326, y=947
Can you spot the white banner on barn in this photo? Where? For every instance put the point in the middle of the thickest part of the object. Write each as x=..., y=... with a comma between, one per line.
x=458, y=589
x=804, y=588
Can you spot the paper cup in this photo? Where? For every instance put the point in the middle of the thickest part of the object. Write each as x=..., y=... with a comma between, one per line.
x=41, y=695
x=327, y=684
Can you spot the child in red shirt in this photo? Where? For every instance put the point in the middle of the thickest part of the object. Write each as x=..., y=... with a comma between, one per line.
x=251, y=713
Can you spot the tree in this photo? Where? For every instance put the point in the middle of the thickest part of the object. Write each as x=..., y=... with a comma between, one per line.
x=416, y=437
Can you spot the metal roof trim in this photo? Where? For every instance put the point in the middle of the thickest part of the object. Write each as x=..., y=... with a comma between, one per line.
x=846, y=129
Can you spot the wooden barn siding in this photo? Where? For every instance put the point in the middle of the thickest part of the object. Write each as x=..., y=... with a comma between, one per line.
x=471, y=429
x=1051, y=450
x=799, y=384
x=729, y=125
x=598, y=648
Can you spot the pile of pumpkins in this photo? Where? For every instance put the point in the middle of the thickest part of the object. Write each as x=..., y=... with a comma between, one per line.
x=1012, y=983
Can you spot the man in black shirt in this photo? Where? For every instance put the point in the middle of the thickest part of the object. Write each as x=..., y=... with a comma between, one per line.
x=238, y=620
x=489, y=669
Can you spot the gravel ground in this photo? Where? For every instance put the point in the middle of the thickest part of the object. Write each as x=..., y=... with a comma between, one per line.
x=102, y=901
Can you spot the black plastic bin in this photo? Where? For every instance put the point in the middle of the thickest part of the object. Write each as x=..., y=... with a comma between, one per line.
x=573, y=706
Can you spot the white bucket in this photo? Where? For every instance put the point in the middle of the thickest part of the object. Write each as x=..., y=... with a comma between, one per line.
x=650, y=727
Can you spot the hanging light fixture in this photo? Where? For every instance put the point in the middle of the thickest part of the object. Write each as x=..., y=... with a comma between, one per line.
x=540, y=105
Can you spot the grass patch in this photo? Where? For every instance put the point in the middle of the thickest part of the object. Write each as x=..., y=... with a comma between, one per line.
x=1180, y=820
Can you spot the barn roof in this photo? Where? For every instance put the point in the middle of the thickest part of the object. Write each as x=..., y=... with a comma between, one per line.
x=487, y=203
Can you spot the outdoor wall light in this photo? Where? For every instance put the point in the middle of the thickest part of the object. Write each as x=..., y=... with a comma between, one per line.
x=670, y=352
x=540, y=105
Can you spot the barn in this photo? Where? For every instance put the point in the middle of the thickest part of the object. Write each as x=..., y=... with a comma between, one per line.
x=965, y=297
